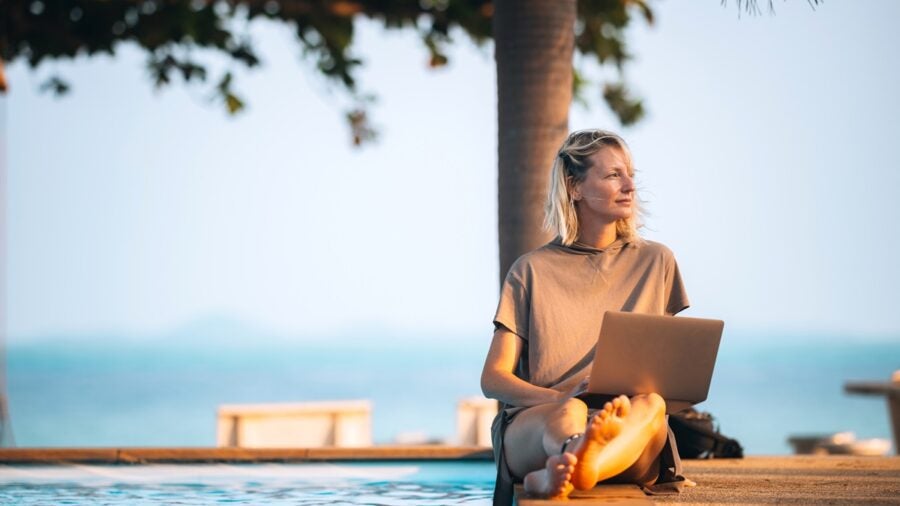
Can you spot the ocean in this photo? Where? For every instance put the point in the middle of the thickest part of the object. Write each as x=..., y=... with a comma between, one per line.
x=72, y=392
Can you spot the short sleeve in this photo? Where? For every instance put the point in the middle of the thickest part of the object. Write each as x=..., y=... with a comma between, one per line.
x=676, y=296
x=514, y=306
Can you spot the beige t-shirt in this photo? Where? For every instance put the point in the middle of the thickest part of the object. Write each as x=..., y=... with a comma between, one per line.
x=554, y=298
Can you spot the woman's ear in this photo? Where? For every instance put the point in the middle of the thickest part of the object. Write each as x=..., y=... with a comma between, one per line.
x=576, y=192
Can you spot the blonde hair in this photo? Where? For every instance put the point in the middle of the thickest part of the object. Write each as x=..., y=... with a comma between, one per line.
x=570, y=167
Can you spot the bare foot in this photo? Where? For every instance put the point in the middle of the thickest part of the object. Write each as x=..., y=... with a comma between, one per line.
x=616, y=437
x=603, y=426
x=555, y=480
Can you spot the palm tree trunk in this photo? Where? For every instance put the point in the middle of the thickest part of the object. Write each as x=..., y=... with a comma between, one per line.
x=6, y=435
x=534, y=42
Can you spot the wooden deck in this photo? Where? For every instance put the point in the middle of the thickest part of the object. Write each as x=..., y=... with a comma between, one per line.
x=753, y=480
x=792, y=479
x=767, y=480
x=607, y=494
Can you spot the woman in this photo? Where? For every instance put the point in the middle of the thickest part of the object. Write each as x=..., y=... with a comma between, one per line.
x=546, y=326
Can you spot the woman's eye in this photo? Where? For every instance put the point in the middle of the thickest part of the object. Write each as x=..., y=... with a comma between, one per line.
x=613, y=175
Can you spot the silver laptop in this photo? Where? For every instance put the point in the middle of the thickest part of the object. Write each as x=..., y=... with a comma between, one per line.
x=639, y=353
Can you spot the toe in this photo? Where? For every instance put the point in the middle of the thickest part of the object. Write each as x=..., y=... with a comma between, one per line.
x=622, y=404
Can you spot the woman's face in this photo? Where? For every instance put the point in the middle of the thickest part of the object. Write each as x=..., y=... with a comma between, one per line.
x=607, y=192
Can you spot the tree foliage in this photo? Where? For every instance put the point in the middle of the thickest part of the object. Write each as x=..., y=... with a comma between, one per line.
x=752, y=6
x=180, y=36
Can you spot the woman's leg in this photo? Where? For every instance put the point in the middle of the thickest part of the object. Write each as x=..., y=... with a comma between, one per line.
x=532, y=443
x=539, y=432
x=645, y=470
x=623, y=441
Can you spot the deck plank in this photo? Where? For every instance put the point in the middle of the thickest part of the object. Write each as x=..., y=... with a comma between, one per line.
x=794, y=479
x=600, y=495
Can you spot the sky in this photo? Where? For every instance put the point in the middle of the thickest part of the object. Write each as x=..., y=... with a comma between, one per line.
x=767, y=159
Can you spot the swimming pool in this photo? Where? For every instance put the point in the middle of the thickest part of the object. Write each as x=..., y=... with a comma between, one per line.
x=423, y=483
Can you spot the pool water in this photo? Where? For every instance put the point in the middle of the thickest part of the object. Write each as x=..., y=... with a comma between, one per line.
x=404, y=483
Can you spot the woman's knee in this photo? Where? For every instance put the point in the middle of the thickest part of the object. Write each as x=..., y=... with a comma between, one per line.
x=571, y=409
x=653, y=399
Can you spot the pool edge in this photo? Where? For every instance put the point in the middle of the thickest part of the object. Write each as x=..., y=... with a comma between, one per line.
x=156, y=455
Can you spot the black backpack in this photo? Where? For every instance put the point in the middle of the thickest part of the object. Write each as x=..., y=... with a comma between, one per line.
x=698, y=438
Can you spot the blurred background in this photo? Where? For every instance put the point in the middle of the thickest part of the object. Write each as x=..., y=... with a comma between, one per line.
x=164, y=257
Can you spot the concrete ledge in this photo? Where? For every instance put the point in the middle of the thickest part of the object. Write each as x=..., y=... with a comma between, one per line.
x=240, y=455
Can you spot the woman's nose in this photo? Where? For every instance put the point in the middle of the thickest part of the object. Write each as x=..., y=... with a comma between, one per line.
x=627, y=184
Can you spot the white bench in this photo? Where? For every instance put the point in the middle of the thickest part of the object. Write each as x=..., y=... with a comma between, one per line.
x=295, y=425
x=474, y=416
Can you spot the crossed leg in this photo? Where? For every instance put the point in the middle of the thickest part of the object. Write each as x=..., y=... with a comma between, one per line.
x=621, y=442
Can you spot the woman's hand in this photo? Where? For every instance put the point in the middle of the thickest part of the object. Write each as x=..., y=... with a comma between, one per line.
x=577, y=390
x=498, y=380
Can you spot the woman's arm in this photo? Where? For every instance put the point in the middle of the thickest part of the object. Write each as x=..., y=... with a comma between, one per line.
x=499, y=382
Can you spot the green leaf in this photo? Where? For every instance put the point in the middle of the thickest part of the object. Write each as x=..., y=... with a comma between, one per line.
x=54, y=85
x=628, y=109
x=234, y=104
